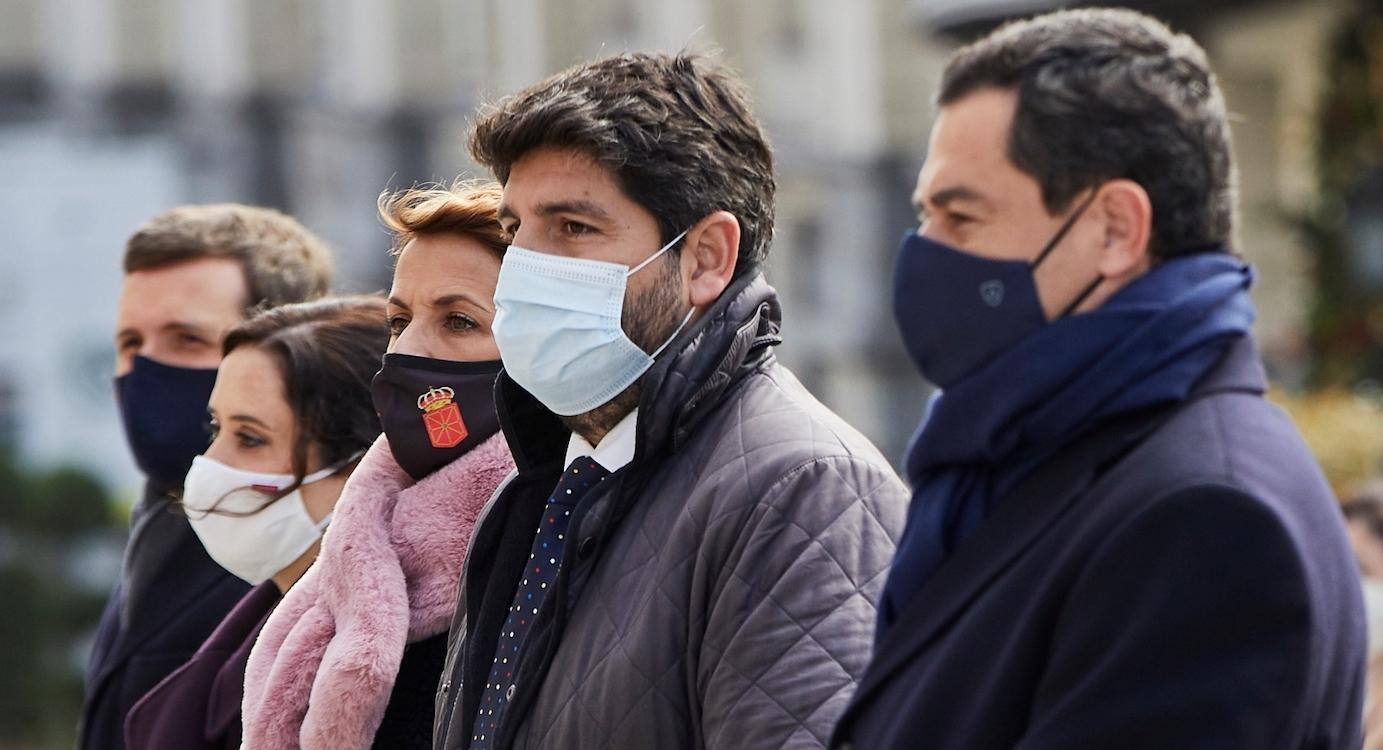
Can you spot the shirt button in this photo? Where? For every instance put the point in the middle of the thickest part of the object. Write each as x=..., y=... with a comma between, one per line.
x=509, y=694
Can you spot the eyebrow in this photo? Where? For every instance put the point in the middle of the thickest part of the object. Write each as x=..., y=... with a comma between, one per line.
x=211, y=413
x=447, y=299
x=575, y=206
x=177, y=325
x=946, y=196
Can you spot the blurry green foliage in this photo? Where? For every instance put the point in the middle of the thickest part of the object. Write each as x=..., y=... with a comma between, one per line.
x=45, y=517
x=1346, y=317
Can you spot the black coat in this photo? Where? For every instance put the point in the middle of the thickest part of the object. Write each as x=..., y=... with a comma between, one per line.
x=1174, y=580
x=170, y=598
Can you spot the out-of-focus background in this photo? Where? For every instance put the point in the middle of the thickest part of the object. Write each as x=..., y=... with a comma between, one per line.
x=113, y=110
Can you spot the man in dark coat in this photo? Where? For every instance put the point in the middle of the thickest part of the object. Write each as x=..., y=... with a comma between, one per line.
x=191, y=273
x=690, y=551
x=1114, y=540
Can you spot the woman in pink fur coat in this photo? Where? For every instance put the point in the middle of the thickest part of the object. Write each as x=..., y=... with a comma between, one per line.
x=352, y=656
x=291, y=415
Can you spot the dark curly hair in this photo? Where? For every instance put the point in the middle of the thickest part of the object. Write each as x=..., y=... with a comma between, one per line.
x=328, y=352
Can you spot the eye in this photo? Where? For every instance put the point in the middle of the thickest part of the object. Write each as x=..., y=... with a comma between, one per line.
x=128, y=343
x=213, y=428
x=189, y=340
x=458, y=323
x=247, y=439
x=396, y=325
x=576, y=228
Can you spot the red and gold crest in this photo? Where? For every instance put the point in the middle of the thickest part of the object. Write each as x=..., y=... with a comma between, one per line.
x=441, y=417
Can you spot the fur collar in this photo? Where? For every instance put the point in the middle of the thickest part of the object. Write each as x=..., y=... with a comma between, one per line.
x=322, y=670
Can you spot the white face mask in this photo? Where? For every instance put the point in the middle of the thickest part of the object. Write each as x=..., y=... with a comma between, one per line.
x=557, y=326
x=255, y=546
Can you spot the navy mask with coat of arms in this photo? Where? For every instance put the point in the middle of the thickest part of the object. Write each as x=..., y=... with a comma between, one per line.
x=434, y=410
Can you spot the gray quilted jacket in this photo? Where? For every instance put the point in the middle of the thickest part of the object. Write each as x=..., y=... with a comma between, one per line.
x=718, y=592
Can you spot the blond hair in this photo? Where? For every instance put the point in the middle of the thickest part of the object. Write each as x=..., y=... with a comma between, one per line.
x=466, y=207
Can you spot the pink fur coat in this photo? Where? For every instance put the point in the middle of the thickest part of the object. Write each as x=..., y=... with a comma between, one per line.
x=320, y=674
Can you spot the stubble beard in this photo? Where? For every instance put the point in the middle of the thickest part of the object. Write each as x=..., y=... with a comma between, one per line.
x=648, y=320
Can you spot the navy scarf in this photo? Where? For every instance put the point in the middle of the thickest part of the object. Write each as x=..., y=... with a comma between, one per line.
x=1147, y=345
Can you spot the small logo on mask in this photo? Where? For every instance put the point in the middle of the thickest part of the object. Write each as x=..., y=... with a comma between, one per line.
x=442, y=418
x=992, y=292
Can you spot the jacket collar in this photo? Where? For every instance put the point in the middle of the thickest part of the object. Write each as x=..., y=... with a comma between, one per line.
x=734, y=337
x=1033, y=508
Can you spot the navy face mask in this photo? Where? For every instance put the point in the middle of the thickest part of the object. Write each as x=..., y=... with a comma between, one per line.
x=957, y=311
x=164, y=412
x=433, y=410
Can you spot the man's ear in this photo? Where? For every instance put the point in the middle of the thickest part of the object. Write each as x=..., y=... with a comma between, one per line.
x=1128, y=230
x=709, y=254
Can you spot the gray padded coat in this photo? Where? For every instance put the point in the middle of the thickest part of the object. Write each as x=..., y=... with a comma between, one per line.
x=718, y=592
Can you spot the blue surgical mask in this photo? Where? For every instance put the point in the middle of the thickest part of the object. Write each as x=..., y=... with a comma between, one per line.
x=958, y=311
x=557, y=326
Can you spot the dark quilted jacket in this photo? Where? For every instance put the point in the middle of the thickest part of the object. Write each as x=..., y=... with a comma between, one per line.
x=716, y=593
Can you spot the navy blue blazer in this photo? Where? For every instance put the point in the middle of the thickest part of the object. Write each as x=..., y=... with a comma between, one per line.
x=1172, y=580
x=172, y=595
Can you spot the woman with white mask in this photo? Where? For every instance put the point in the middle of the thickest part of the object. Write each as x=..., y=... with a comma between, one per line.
x=352, y=657
x=290, y=417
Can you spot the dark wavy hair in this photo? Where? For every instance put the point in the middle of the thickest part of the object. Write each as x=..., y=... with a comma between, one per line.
x=328, y=352
x=678, y=132
x=1106, y=94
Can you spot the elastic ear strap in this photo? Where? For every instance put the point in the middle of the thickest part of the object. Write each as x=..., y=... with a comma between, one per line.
x=661, y=250
x=1076, y=302
x=1065, y=227
x=670, y=339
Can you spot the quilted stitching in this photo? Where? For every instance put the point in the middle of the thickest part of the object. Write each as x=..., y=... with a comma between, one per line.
x=734, y=606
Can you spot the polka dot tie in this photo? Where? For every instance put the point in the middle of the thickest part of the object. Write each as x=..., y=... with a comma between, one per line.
x=546, y=557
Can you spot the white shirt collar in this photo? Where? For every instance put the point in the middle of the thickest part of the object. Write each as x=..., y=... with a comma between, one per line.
x=616, y=449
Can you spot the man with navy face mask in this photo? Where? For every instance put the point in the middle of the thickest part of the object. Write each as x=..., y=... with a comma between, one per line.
x=191, y=273
x=1114, y=540
x=691, y=549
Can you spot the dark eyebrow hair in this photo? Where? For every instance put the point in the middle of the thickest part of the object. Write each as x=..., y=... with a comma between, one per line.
x=250, y=419
x=211, y=414
x=574, y=206
x=941, y=198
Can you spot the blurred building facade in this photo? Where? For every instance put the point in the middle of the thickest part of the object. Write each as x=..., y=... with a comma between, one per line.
x=111, y=110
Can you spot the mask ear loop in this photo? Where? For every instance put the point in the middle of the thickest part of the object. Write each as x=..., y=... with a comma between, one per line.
x=1065, y=227
x=656, y=255
x=1089, y=290
x=1051, y=245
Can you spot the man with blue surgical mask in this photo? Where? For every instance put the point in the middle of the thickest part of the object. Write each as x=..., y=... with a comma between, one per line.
x=690, y=551
x=1114, y=540
x=191, y=273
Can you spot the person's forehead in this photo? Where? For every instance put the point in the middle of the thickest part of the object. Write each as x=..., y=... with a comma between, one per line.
x=249, y=382
x=970, y=137
x=550, y=175
x=205, y=288
x=433, y=264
